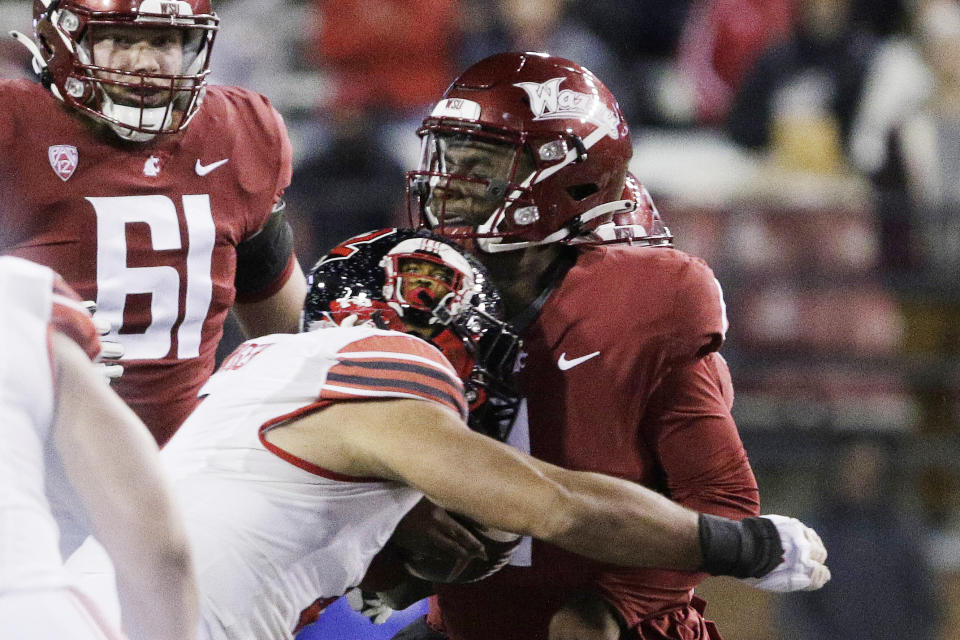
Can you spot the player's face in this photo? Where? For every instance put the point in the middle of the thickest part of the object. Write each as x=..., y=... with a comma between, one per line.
x=435, y=279
x=153, y=50
x=424, y=283
x=485, y=169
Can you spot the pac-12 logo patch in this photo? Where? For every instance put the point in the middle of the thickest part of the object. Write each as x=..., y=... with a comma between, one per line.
x=63, y=160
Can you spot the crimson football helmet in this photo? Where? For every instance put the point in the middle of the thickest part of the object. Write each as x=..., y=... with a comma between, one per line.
x=637, y=221
x=140, y=103
x=522, y=149
x=416, y=282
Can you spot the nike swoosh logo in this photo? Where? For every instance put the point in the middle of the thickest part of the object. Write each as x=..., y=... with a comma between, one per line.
x=563, y=364
x=203, y=170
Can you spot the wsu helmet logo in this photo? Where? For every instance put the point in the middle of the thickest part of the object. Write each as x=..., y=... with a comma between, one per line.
x=549, y=102
x=173, y=8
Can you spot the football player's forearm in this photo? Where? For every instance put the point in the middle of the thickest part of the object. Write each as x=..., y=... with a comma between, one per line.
x=619, y=522
x=112, y=462
x=623, y=523
x=602, y=517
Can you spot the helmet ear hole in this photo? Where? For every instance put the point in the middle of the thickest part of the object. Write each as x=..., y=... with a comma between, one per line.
x=581, y=191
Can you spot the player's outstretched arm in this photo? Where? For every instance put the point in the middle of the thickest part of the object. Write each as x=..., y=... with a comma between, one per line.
x=608, y=519
x=111, y=460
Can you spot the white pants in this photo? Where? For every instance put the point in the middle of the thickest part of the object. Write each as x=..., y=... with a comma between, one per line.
x=53, y=614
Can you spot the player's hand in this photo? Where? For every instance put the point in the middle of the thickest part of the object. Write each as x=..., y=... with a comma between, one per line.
x=433, y=543
x=584, y=617
x=111, y=351
x=804, y=555
x=369, y=605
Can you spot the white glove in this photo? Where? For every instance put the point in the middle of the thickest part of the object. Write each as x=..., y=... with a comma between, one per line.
x=369, y=605
x=803, y=567
x=111, y=350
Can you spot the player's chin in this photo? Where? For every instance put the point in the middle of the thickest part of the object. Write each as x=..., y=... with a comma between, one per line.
x=460, y=209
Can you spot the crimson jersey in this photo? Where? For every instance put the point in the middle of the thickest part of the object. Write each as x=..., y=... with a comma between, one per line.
x=621, y=378
x=147, y=230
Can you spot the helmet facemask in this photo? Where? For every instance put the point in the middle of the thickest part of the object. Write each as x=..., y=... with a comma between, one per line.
x=563, y=148
x=142, y=73
x=474, y=183
x=483, y=185
x=418, y=283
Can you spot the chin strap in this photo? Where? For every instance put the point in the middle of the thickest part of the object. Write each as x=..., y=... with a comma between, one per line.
x=496, y=245
x=37, y=59
x=156, y=118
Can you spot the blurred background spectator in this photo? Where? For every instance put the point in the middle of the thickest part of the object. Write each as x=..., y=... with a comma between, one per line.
x=878, y=570
x=720, y=42
x=380, y=62
x=913, y=153
x=807, y=149
x=800, y=96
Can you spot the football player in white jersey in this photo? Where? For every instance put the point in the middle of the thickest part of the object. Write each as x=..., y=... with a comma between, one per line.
x=68, y=437
x=308, y=450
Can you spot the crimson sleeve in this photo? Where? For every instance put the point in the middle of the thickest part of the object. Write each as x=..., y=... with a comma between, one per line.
x=703, y=466
x=265, y=258
x=285, y=159
x=699, y=311
x=7, y=166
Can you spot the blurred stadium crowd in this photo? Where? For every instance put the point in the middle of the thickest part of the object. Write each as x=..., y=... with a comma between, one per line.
x=809, y=150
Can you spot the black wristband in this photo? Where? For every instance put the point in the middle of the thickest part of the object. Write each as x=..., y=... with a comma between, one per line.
x=749, y=548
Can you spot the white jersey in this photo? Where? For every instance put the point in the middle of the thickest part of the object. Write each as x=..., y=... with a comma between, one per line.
x=33, y=303
x=271, y=533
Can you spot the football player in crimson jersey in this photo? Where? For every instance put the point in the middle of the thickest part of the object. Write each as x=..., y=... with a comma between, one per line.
x=68, y=439
x=524, y=160
x=153, y=194
x=309, y=450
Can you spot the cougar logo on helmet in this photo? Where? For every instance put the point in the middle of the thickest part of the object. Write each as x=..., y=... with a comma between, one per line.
x=548, y=102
